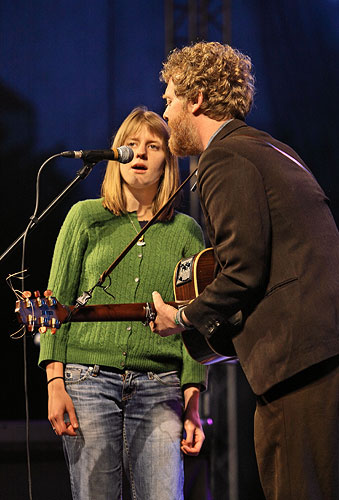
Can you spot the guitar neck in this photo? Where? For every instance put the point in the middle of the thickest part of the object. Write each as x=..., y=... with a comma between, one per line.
x=113, y=312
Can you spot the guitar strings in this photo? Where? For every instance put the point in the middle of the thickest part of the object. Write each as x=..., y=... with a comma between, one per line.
x=19, y=296
x=18, y=275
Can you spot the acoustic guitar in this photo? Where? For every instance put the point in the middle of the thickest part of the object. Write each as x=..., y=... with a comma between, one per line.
x=190, y=277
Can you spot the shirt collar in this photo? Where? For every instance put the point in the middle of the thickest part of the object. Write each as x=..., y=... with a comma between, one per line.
x=217, y=131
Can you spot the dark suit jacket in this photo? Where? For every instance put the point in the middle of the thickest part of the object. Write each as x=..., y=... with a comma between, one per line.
x=277, y=247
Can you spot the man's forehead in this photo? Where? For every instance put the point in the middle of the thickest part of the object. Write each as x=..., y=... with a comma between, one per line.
x=169, y=92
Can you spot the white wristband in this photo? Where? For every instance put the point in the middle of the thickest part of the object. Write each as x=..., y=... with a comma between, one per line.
x=179, y=320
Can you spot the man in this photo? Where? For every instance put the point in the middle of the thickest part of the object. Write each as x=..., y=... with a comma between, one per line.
x=276, y=246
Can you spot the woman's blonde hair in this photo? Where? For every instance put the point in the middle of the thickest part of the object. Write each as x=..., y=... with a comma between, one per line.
x=112, y=190
x=222, y=74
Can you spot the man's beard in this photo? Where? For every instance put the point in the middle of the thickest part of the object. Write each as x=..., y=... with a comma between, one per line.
x=184, y=140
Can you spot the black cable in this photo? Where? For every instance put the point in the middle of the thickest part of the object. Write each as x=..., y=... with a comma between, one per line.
x=27, y=419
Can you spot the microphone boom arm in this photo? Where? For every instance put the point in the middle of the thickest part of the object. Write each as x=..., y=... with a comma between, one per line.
x=81, y=174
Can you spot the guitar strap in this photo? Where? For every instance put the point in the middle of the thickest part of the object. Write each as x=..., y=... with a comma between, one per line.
x=84, y=298
x=278, y=150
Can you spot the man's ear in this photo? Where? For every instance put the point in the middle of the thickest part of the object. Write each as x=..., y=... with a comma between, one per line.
x=197, y=103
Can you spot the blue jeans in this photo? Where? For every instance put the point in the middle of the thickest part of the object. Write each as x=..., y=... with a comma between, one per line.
x=131, y=420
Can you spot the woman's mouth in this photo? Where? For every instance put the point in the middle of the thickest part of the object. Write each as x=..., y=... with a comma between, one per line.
x=139, y=167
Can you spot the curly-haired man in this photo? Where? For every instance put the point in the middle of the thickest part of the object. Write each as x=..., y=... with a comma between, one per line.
x=276, y=246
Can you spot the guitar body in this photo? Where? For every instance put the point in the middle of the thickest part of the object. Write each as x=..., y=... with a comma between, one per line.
x=191, y=276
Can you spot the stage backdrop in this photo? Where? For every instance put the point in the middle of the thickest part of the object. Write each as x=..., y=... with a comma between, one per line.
x=70, y=71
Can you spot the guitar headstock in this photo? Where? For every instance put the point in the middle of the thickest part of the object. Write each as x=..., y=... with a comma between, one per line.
x=40, y=313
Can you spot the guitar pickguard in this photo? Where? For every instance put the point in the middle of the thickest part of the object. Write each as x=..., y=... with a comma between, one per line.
x=184, y=271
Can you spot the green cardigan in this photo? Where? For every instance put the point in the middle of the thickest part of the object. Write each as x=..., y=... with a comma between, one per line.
x=90, y=239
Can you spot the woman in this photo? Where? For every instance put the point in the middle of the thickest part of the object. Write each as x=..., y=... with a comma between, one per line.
x=118, y=393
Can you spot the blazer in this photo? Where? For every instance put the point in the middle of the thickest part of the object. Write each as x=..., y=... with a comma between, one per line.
x=277, y=250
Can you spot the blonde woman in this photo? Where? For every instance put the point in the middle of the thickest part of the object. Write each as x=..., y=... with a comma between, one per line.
x=119, y=395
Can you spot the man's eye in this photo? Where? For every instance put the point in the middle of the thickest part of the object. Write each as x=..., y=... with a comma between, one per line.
x=154, y=146
x=131, y=144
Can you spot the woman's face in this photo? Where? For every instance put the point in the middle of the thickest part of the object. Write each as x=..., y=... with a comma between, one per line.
x=148, y=163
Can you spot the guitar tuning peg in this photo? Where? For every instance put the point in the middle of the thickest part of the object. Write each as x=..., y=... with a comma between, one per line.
x=41, y=321
x=26, y=295
x=37, y=296
x=30, y=323
x=49, y=298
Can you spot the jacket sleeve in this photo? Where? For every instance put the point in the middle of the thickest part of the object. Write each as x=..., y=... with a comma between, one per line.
x=235, y=205
x=64, y=280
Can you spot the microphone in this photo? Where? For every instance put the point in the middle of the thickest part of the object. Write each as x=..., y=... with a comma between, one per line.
x=123, y=154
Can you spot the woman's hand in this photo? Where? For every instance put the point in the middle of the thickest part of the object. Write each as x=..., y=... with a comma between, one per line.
x=195, y=436
x=59, y=402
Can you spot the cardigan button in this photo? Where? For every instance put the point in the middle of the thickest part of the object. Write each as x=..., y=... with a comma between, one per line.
x=136, y=279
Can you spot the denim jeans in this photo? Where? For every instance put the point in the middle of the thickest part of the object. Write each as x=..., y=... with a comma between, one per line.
x=131, y=420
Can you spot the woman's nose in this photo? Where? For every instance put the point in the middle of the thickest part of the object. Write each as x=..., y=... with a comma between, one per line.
x=141, y=151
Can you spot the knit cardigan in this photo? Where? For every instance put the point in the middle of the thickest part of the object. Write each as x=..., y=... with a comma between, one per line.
x=90, y=239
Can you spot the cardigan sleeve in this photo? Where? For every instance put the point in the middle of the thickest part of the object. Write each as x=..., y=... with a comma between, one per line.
x=64, y=279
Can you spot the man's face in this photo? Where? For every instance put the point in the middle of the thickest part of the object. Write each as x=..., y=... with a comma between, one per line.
x=184, y=139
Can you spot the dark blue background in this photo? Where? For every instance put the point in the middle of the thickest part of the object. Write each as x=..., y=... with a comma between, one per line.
x=70, y=71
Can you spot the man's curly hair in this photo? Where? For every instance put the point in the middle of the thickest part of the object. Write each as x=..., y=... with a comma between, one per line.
x=221, y=73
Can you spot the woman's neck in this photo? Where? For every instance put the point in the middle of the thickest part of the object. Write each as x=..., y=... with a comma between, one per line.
x=140, y=201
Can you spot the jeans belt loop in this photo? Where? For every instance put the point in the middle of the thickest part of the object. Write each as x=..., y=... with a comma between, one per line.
x=96, y=370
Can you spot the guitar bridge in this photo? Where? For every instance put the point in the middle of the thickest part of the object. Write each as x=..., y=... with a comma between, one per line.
x=184, y=271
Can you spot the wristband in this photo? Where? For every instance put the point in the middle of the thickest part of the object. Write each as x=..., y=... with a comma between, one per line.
x=179, y=319
x=54, y=378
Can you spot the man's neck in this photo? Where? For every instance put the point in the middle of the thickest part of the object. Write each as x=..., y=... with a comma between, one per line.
x=206, y=128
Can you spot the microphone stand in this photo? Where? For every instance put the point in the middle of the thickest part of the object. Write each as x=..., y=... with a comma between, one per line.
x=81, y=174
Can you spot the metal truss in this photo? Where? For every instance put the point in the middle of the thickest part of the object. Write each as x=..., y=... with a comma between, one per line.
x=189, y=21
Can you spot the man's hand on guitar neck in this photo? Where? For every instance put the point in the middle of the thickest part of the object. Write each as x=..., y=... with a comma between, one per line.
x=165, y=322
